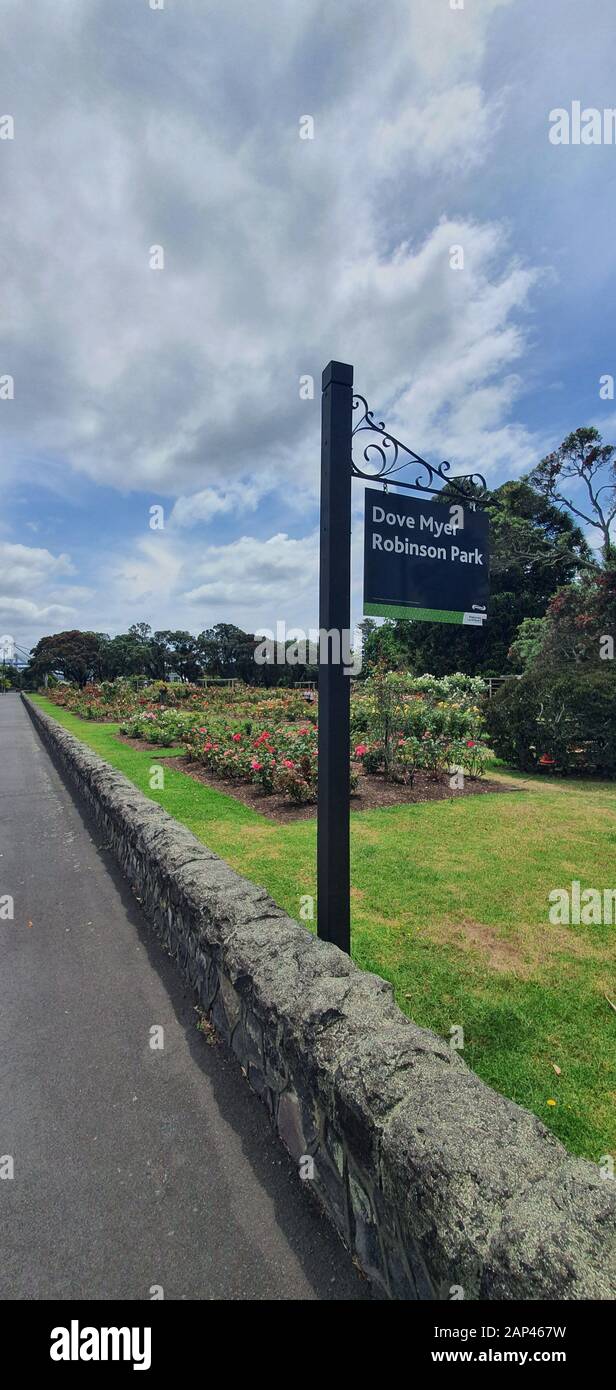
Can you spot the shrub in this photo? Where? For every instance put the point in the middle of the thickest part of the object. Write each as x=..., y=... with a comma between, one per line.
x=470, y=756
x=402, y=723
x=295, y=781
x=372, y=755
x=161, y=726
x=406, y=758
x=275, y=757
x=567, y=718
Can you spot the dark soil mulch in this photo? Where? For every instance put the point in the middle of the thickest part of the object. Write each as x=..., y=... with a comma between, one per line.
x=143, y=745
x=372, y=791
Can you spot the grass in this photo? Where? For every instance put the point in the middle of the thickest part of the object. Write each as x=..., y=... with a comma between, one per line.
x=450, y=903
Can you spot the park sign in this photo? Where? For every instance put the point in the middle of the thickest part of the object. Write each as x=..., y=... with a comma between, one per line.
x=428, y=561
x=432, y=570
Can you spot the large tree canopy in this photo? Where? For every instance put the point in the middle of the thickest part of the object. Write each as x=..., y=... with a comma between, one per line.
x=220, y=651
x=73, y=655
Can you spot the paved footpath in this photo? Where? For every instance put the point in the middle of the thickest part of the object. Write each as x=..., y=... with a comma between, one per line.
x=133, y=1168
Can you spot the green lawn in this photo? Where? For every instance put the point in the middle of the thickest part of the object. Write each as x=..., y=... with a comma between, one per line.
x=450, y=903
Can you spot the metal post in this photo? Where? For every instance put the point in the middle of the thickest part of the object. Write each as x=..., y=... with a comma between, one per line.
x=333, y=867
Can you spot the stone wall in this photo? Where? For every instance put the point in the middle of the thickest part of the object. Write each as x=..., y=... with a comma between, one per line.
x=433, y=1180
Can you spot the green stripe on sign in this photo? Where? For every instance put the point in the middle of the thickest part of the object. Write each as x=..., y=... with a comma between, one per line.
x=419, y=615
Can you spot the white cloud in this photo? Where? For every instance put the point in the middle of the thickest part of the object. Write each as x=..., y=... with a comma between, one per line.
x=33, y=598
x=24, y=612
x=182, y=130
x=277, y=575
x=202, y=506
x=24, y=568
x=149, y=572
x=274, y=246
x=450, y=131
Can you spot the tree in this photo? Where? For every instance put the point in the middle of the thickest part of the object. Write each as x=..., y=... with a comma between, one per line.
x=584, y=459
x=226, y=651
x=562, y=718
x=75, y=655
x=222, y=651
x=387, y=646
x=579, y=626
x=124, y=655
x=526, y=644
x=141, y=632
x=176, y=652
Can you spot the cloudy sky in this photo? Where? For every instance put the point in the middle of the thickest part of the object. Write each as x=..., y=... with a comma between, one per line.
x=180, y=127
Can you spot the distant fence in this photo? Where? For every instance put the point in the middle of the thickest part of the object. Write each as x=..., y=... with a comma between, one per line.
x=230, y=681
x=495, y=683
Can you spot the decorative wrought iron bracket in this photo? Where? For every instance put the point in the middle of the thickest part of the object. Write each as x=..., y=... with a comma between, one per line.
x=388, y=456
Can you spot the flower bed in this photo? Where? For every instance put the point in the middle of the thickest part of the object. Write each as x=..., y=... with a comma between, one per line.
x=122, y=699
x=281, y=758
x=401, y=726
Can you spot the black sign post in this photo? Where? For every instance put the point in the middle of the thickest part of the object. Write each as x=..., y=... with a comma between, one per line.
x=333, y=869
x=401, y=580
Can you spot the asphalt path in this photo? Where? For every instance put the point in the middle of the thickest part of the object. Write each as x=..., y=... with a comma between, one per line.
x=134, y=1170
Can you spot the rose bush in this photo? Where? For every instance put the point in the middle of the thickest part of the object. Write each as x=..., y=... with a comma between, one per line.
x=280, y=758
x=161, y=726
x=402, y=724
